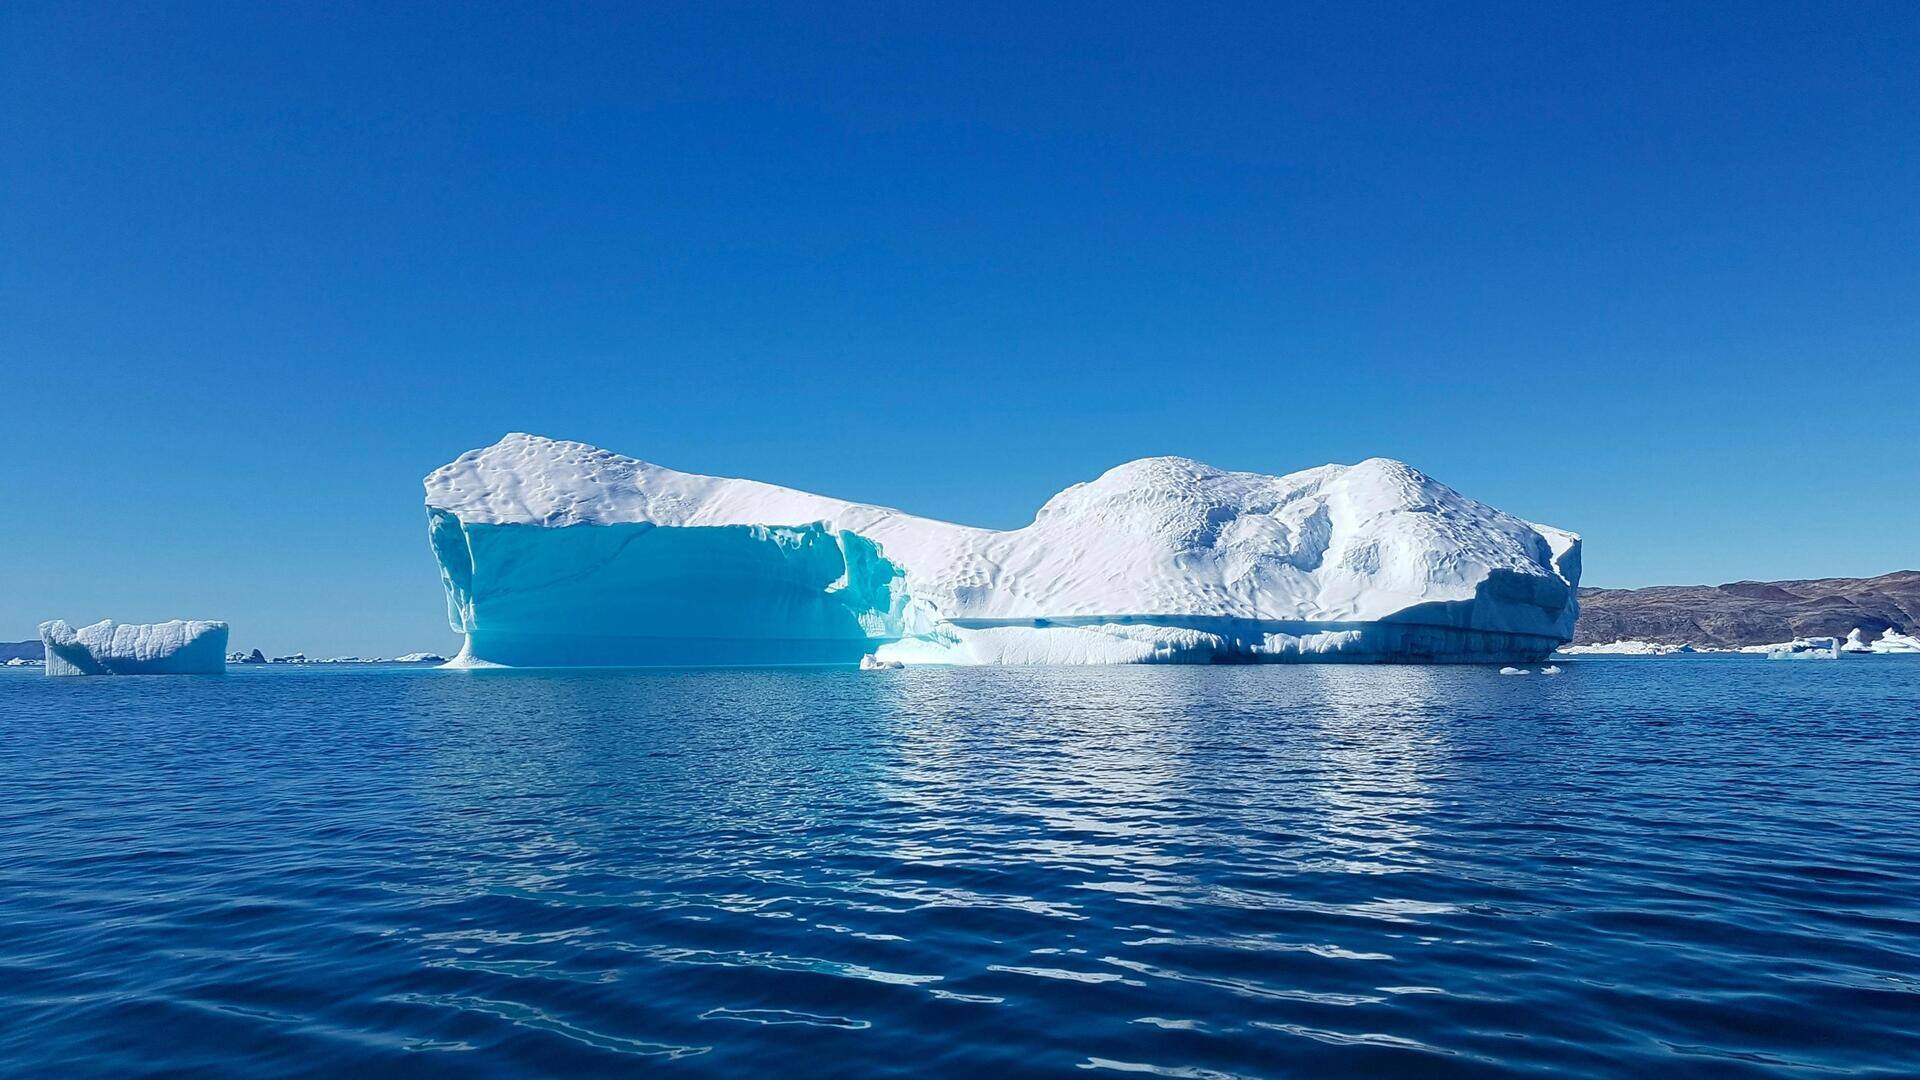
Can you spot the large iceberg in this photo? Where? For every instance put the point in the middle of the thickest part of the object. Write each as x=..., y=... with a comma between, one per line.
x=180, y=647
x=559, y=553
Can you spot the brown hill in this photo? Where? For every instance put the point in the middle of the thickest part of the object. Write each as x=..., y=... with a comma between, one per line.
x=1751, y=612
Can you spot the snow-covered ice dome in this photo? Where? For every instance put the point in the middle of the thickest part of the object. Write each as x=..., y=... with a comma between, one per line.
x=179, y=647
x=562, y=553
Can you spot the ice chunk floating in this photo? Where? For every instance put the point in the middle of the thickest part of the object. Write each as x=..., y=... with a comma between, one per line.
x=558, y=553
x=1815, y=648
x=180, y=647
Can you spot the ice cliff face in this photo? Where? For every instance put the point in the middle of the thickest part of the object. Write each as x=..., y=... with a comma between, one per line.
x=180, y=647
x=557, y=552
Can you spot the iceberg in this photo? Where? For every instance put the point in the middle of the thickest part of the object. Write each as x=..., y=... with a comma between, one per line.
x=1812, y=648
x=1891, y=641
x=180, y=647
x=560, y=553
x=1625, y=648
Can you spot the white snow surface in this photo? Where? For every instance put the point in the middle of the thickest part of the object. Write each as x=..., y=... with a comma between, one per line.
x=179, y=647
x=1158, y=540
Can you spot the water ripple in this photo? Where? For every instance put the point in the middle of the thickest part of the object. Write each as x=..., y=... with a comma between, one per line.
x=1699, y=867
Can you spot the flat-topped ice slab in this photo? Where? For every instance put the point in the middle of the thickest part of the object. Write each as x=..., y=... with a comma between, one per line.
x=180, y=647
x=561, y=553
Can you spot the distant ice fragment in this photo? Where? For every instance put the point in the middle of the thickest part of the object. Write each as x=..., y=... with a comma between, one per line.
x=180, y=647
x=1514, y=671
x=1550, y=669
x=1815, y=648
x=559, y=553
x=1624, y=648
x=871, y=662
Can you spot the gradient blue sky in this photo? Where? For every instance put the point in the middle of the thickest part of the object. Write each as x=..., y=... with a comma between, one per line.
x=1649, y=272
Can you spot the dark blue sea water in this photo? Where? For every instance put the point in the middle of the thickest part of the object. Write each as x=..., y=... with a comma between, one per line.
x=1702, y=867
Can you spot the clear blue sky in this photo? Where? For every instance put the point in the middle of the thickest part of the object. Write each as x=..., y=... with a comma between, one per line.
x=1649, y=272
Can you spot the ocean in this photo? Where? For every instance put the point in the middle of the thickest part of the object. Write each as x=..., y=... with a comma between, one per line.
x=1693, y=866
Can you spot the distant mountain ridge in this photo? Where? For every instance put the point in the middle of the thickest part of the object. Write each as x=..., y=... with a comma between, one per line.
x=1750, y=612
x=21, y=650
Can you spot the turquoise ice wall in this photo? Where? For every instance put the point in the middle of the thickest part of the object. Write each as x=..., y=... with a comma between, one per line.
x=529, y=595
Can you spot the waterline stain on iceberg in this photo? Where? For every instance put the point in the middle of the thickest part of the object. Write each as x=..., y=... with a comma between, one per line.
x=559, y=553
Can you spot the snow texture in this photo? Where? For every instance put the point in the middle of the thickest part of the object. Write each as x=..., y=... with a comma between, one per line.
x=180, y=647
x=561, y=553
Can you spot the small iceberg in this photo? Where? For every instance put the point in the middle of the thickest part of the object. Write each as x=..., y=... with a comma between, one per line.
x=1550, y=669
x=1891, y=641
x=1514, y=671
x=180, y=647
x=871, y=662
x=1815, y=648
x=1624, y=648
